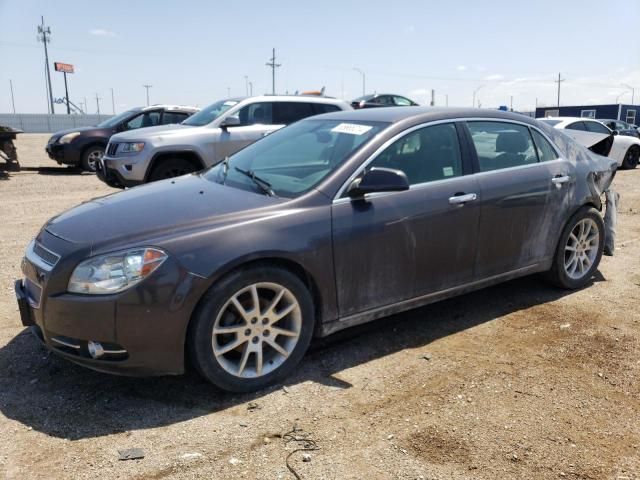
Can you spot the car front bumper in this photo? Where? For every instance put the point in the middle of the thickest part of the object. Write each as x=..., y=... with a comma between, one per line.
x=140, y=331
x=63, y=153
x=121, y=172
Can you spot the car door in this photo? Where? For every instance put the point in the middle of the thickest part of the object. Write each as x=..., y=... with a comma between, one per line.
x=522, y=204
x=254, y=122
x=390, y=247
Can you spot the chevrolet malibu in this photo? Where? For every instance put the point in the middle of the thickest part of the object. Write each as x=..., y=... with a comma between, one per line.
x=331, y=222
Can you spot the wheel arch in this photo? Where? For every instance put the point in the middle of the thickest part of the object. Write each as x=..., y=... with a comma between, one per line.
x=191, y=156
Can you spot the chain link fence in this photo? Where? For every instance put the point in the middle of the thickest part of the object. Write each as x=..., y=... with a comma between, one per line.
x=46, y=123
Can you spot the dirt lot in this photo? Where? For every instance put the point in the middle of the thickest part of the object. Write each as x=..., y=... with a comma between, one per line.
x=518, y=381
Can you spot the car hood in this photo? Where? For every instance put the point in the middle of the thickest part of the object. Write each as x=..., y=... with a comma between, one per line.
x=78, y=129
x=147, y=132
x=157, y=210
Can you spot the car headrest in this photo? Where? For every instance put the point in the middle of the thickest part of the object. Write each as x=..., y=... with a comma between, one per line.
x=511, y=142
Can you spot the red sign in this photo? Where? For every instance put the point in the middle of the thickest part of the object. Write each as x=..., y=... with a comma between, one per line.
x=63, y=67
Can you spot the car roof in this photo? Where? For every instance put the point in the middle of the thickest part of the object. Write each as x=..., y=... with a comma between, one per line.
x=177, y=108
x=422, y=114
x=290, y=98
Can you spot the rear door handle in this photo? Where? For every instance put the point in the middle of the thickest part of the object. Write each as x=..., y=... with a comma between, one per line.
x=462, y=199
x=560, y=180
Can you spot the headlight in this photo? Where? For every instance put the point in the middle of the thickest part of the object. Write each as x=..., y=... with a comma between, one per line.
x=132, y=147
x=68, y=137
x=115, y=272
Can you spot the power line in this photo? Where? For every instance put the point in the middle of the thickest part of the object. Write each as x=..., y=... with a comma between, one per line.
x=272, y=63
x=44, y=36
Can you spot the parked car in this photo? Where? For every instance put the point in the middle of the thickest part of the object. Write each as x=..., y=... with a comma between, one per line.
x=382, y=100
x=85, y=146
x=623, y=128
x=205, y=139
x=331, y=222
x=624, y=149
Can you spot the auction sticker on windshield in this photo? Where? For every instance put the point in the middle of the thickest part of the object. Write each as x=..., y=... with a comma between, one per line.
x=351, y=128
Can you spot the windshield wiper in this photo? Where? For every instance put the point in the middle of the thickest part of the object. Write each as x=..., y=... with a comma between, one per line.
x=262, y=184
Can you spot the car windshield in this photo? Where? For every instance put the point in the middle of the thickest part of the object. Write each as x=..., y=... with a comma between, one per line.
x=113, y=121
x=366, y=98
x=293, y=160
x=549, y=122
x=210, y=113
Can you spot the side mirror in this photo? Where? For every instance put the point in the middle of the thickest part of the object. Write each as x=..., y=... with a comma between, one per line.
x=615, y=132
x=230, y=122
x=378, y=180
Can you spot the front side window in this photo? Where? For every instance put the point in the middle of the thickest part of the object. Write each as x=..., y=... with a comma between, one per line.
x=210, y=113
x=256, y=114
x=597, y=127
x=289, y=112
x=113, y=121
x=296, y=158
x=325, y=108
x=545, y=151
x=425, y=155
x=146, y=119
x=502, y=145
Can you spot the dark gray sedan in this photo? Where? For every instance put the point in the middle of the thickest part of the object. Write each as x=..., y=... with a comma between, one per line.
x=331, y=222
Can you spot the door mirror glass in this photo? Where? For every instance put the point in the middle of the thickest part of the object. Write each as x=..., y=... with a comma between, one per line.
x=378, y=180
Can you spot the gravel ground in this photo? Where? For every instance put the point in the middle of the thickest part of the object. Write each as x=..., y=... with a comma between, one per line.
x=518, y=381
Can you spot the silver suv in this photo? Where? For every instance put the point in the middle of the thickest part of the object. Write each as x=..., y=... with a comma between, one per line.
x=205, y=138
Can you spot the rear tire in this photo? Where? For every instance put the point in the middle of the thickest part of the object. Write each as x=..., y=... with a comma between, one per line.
x=171, y=167
x=631, y=158
x=241, y=347
x=91, y=156
x=579, y=250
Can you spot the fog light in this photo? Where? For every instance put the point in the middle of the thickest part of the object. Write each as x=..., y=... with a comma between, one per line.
x=95, y=349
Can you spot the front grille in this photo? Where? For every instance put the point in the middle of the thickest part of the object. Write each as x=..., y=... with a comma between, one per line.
x=111, y=149
x=47, y=256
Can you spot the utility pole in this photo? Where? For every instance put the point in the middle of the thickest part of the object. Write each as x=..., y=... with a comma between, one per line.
x=446, y=100
x=272, y=63
x=433, y=97
x=66, y=93
x=559, y=81
x=44, y=36
x=251, y=89
x=86, y=106
x=13, y=101
x=147, y=87
x=511, y=104
x=473, y=104
x=98, y=103
x=633, y=92
x=363, y=78
x=113, y=103
x=246, y=85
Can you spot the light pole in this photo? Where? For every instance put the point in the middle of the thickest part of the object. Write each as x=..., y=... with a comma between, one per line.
x=618, y=97
x=147, y=87
x=251, y=89
x=363, y=79
x=113, y=103
x=473, y=104
x=633, y=91
x=246, y=85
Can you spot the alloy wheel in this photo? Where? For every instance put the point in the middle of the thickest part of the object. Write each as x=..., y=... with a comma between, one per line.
x=93, y=158
x=256, y=330
x=581, y=249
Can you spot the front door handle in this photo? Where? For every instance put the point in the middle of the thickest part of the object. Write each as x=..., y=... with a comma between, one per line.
x=559, y=180
x=462, y=199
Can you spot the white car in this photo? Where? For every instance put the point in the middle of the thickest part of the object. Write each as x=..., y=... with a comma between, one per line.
x=597, y=136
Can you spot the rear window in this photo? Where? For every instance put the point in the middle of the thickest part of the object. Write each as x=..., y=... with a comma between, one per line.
x=289, y=112
x=576, y=126
x=597, y=127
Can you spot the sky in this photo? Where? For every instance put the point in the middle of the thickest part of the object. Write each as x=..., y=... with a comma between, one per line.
x=197, y=52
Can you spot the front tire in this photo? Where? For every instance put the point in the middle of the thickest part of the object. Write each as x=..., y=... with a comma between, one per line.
x=631, y=158
x=90, y=158
x=251, y=329
x=579, y=250
x=172, y=167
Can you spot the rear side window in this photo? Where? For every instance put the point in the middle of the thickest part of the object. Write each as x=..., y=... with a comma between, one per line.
x=597, y=127
x=173, y=117
x=502, y=145
x=401, y=101
x=425, y=155
x=289, y=112
x=325, y=108
x=545, y=151
x=576, y=126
